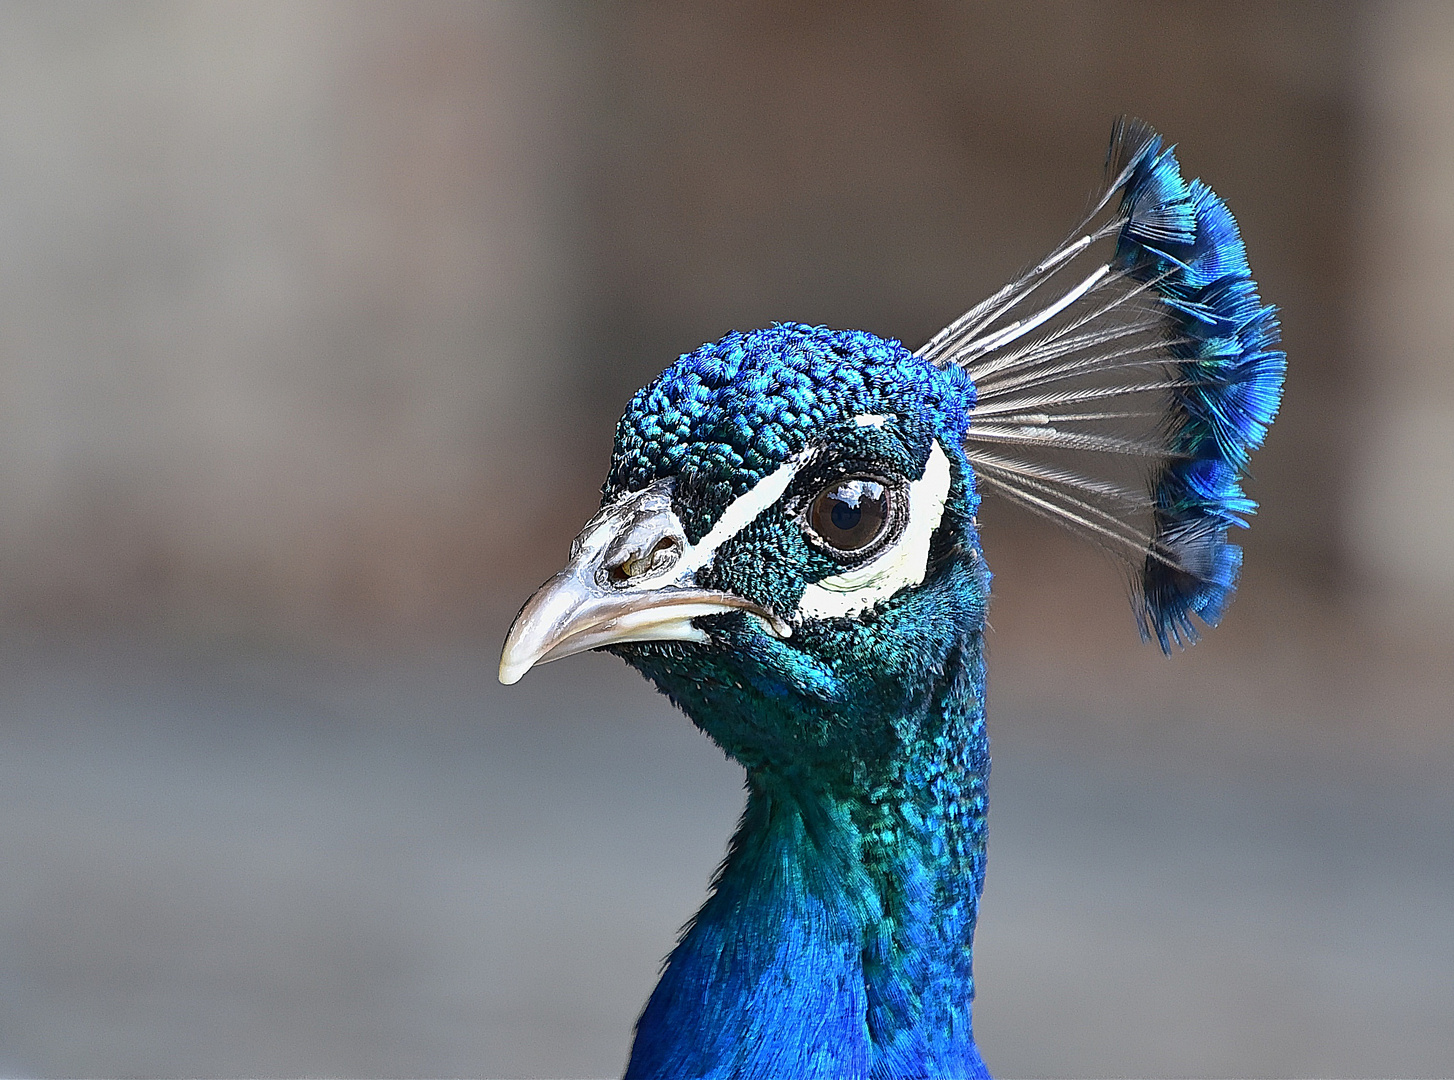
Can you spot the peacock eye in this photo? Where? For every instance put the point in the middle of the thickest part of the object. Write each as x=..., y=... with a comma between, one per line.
x=856, y=515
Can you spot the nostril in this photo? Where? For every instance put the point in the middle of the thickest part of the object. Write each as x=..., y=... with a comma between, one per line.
x=637, y=564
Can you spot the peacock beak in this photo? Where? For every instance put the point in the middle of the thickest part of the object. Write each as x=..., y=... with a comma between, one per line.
x=630, y=578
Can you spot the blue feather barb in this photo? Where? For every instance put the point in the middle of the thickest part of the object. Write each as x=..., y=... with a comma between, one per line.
x=1171, y=331
x=1181, y=237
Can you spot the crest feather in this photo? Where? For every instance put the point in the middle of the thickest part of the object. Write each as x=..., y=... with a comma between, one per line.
x=1157, y=356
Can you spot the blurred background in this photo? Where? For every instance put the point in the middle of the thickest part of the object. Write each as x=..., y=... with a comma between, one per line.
x=315, y=321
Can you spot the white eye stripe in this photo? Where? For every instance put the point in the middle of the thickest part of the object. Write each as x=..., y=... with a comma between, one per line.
x=901, y=566
x=740, y=513
x=853, y=591
x=743, y=510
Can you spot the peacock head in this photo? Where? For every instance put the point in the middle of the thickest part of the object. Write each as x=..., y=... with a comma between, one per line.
x=786, y=543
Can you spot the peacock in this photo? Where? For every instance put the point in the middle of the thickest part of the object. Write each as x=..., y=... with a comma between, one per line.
x=787, y=547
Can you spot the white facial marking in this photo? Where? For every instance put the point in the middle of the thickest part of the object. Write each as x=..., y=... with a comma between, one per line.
x=846, y=594
x=901, y=566
x=740, y=513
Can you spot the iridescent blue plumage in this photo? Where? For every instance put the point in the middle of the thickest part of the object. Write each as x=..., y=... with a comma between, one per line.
x=836, y=941
x=725, y=414
x=1181, y=239
x=787, y=547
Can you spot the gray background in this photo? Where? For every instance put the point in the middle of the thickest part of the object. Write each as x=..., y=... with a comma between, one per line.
x=315, y=320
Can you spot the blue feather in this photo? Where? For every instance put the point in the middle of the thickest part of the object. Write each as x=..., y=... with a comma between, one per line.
x=1181, y=239
x=1170, y=327
x=838, y=935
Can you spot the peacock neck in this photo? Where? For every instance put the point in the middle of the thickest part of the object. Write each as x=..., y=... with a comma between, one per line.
x=837, y=939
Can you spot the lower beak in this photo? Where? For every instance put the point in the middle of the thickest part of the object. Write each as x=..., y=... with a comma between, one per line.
x=591, y=603
x=562, y=619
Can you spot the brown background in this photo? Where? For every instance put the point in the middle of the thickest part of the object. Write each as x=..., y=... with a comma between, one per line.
x=315, y=320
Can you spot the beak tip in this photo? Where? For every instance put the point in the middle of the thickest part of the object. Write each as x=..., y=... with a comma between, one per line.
x=511, y=670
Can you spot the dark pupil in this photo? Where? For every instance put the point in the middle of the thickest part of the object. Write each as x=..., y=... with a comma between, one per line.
x=851, y=513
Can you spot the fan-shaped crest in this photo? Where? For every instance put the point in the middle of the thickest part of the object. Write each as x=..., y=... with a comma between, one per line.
x=1125, y=408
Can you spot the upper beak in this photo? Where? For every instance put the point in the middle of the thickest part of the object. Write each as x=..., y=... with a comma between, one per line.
x=627, y=580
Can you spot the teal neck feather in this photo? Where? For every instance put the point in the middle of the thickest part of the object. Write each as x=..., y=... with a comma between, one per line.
x=837, y=939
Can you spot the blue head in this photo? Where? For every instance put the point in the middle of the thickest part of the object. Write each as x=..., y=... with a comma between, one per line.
x=787, y=547
x=818, y=475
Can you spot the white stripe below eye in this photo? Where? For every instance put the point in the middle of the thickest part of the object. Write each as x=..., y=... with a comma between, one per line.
x=901, y=566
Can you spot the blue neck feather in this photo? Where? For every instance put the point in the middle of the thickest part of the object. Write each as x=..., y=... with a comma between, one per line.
x=837, y=939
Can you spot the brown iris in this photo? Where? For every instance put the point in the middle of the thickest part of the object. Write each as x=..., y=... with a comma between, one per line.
x=851, y=514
